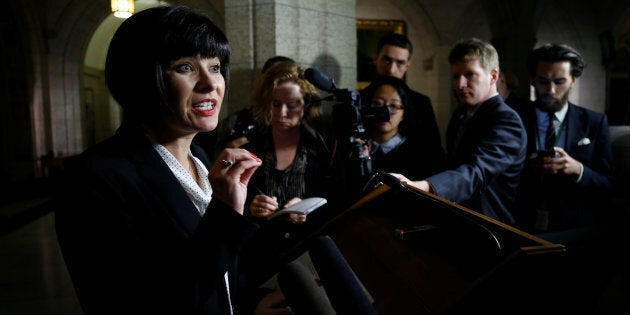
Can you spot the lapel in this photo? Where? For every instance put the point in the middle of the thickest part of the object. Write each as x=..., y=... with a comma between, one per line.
x=155, y=173
x=527, y=113
x=531, y=126
x=473, y=126
x=480, y=120
x=453, y=128
x=574, y=128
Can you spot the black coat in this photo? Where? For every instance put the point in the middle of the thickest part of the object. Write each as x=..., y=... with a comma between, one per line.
x=133, y=241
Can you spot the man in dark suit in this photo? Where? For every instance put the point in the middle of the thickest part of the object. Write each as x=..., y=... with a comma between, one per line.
x=570, y=188
x=485, y=139
x=393, y=58
x=565, y=193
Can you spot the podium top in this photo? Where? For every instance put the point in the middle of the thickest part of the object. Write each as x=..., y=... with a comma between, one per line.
x=415, y=251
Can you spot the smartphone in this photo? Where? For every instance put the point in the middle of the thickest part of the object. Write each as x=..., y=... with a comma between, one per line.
x=546, y=153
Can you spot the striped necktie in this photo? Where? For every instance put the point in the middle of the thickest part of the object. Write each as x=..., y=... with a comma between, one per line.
x=550, y=138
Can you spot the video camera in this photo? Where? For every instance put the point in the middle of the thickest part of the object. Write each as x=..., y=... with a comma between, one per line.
x=351, y=160
x=244, y=125
x=349, y=115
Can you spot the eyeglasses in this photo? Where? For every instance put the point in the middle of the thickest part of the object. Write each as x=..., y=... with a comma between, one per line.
x=393, y=108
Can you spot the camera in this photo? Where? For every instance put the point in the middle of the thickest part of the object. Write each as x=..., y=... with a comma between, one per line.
x=351, y=160
x=348, y=113
x=244, y=125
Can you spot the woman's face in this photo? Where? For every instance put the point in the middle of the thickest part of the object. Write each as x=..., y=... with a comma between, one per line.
x=197, y=88
x=386, y=95
x=288, y=106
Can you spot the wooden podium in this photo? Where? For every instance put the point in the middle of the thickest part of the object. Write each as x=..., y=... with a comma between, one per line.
x=417, y=253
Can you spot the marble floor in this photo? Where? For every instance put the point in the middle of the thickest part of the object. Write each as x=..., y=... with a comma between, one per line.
x=33, y=276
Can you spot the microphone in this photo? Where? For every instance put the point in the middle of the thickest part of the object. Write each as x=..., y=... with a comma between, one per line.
x=303, y=293
x=320, y=80
x=345, y=291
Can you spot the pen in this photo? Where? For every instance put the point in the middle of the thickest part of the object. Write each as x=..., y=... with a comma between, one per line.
x=260, y=192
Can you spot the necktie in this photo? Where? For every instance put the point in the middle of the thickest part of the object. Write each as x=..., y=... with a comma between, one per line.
x=550, y=138
x=460, y=131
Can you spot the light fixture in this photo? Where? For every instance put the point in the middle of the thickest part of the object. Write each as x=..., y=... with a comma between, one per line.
x=122, y=8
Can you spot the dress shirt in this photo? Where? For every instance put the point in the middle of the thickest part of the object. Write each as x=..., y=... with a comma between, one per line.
x=542, y=119
x=200, y=196
x=388, y=145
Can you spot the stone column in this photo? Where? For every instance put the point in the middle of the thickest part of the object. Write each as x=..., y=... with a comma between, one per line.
x=316, y=33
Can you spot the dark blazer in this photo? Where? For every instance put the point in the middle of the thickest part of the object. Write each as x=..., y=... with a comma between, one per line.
x=484, y=170
x=427, y=126
x=571, y=204
x=133, y=241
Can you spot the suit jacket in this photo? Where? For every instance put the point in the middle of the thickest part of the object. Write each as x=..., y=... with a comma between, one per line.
x=427, y=126
x=133, y=241
x=571, y=204
x=485, y=167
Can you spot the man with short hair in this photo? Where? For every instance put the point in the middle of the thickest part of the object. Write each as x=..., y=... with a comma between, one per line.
x=569, y=186
x=567, y=183
x=393, y=55
x=393, y=58
x=485, y=139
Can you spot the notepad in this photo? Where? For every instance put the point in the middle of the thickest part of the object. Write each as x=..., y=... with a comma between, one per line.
x=305, y=207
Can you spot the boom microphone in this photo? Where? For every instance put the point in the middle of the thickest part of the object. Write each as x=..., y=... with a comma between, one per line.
x=345, y=292
x=320, y=80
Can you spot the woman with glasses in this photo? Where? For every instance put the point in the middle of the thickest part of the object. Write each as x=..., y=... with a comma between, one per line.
x=397, y=145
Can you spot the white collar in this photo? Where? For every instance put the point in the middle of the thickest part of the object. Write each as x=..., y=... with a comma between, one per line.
x=558, y=114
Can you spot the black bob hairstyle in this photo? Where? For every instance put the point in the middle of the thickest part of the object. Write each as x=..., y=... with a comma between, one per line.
x=142, y=49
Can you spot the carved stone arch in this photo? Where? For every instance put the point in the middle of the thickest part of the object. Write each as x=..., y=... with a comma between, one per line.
x=559, y=26
x=423, y=33
x=69, y=37
x=420, y=26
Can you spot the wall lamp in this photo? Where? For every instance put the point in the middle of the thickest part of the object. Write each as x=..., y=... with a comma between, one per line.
x=122, y=8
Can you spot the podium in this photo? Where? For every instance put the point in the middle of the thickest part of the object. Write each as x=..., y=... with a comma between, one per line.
x=417, y=253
